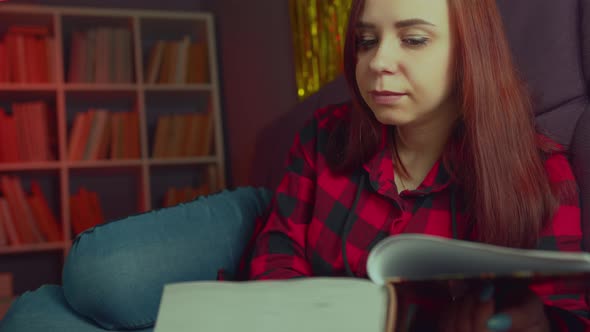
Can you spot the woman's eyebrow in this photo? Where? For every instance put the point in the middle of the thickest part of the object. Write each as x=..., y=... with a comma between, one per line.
x=411, y=22
x=399, y=24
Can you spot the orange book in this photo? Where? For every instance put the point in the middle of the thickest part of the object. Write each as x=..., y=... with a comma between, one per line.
x=33, y=112
x=206, y=135
x=177, y=135
x=132, y=139
x=42, y=59
x=19, y=216
x=51, y=59
x=22, y=130
x=195, y=134
x=21, y=197
x=105, y=142
x=4, y=65
x=154, y=62
x=32, y=70
x=9, y=135
x=75, y=134
x=198, y=63
x=9, y=223
x=43, y=214
x=80, y=206
x=161, y=136
x=81, y=140
x=4, y=241
x=99, y=121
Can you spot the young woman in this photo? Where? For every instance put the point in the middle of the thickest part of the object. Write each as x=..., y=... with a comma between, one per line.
x=439, y=139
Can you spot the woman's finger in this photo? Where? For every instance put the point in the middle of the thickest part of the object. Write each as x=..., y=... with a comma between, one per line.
x=528, y=315
x=485, y=308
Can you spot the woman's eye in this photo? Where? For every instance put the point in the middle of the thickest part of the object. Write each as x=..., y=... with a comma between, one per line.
x=365, y=43
x=415, y=41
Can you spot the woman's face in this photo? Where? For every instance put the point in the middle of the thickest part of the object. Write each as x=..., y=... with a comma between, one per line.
x=404, y=61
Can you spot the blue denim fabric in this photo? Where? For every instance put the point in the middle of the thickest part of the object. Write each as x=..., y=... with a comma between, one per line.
x=114, y=273
x=46, y=309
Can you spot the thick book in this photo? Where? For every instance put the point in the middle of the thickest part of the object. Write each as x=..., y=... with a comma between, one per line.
x=401, y=268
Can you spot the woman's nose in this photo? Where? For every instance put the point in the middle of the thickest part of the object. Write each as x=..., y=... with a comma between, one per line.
x=385, y=59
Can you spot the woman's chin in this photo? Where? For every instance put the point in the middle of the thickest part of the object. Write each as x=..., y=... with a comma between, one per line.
x=393, y=118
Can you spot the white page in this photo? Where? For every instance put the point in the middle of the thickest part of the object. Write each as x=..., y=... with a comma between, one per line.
x=418, y=257
x=309, y=304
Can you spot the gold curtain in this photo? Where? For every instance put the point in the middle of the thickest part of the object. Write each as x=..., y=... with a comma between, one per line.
x=318, y=28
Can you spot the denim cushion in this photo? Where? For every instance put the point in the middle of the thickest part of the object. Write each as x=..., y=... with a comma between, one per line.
x=115, y=272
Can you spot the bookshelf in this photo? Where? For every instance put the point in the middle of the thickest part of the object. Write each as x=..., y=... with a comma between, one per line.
x=125, y=185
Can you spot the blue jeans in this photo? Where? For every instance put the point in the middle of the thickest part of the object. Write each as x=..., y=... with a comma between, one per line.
x=114, y=273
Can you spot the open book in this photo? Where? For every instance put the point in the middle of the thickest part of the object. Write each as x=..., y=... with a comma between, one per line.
x=400, y=267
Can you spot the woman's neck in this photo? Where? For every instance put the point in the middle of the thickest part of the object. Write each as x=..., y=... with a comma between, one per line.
x=420, y=146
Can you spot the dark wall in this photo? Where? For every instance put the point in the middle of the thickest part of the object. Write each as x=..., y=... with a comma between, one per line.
x=258, y=74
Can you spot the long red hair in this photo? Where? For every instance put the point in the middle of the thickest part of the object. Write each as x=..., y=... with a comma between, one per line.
x=497, y=150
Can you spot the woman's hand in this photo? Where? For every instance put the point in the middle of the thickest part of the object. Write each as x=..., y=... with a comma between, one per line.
x=474, y=312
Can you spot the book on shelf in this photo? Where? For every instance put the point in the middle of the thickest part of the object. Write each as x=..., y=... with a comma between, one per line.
x=6, y=292
x=177, y=62
x=28, y=133
x=26, y=218
x=183, y=135
x=27, y=55
x=101, y=55
x=85, y=210
x=403, y=270
x=175, y=196
x=100, y=134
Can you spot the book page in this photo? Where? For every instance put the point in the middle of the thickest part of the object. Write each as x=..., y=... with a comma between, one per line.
x=422, y=257
x=308, y=304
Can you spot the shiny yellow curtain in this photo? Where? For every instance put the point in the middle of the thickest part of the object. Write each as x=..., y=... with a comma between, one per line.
x=318, y=28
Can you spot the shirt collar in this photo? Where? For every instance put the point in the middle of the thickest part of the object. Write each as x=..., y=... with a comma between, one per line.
x=381, y=172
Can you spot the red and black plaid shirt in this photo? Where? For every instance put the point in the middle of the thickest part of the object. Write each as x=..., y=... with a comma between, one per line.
x=303, y=233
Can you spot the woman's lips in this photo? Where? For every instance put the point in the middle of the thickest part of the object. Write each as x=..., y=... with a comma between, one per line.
x=386, y=97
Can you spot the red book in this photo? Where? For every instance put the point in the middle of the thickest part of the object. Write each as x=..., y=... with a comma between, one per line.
x=8, y=223
x=43, y=214
x=29, y=217
x=19, y=216
x=4, y=66
x=9, y=136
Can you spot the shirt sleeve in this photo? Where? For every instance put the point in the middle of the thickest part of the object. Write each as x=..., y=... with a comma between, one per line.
x=566, y=307
x=280, y=246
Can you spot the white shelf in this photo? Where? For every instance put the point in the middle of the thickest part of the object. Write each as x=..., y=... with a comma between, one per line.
x=67, y=98
x=27, y=87
x=28, y=248
x=178, y=87
x=30, y=166
x=94, y=87
x=115, y=163
x=183, y=161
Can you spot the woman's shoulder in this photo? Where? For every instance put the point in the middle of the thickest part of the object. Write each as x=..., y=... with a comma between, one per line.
x=556, y=159
x=326, y=119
